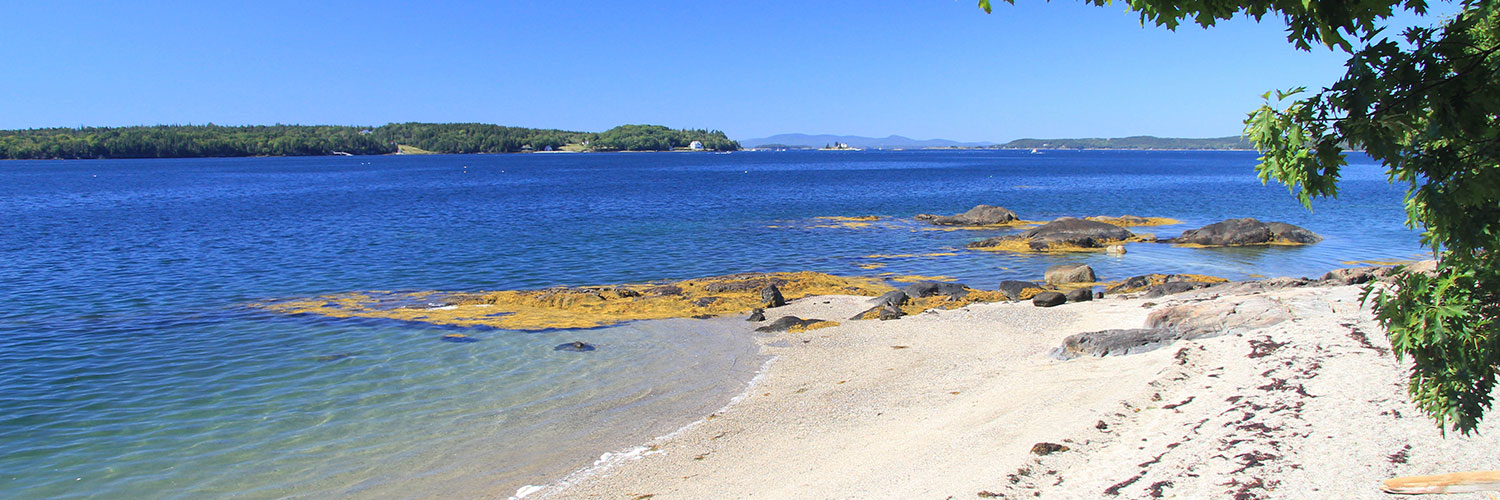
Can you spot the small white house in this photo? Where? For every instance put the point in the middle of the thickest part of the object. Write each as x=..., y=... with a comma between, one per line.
x=696, y=146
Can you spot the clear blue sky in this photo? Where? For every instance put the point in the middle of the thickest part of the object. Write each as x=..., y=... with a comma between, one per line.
x=919, y=68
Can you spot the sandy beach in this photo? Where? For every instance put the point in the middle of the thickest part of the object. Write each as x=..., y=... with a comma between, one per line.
x=954, y=403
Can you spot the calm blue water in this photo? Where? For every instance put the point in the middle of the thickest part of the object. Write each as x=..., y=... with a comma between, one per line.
x=130, y=368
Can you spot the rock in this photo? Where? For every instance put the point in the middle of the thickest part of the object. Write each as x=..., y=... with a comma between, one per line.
x=785, y=323
x=1048, y=299
x=1098, y=295
x=1047, y=448
x=1116, y=249
x=1218, y=317
x=981, y=215
x=1145, y=282
x=705, y=301
x=1066, y=232
x=458, y=338
x=1246, y=231
x=896, y=298
x=1116, y=342
x=771, y=296
x=1020, y=290
x=1358, y=275
x=931, y=288
x=1426, y=267
x=757, y=315
x=1070, y=273
x=574, y=346
x=1079, y=295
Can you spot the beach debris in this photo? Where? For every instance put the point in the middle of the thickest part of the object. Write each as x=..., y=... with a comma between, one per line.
x=1063, y=274
x=1246, y=231
x=574, y=346
x=980, y=215
x=757, y=315
x=1049, y=299
x=771, y=296
x=1020, y=290
x=458, y=338
x=1066, y=234
x=1045, y=448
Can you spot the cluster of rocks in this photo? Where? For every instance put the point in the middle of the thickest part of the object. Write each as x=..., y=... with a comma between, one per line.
x=1066, y=232
x=1096, y=233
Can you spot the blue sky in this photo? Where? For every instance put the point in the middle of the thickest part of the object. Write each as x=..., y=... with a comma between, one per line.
x=919, y=68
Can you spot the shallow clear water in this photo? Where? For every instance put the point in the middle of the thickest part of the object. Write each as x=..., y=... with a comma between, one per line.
x=130, y=368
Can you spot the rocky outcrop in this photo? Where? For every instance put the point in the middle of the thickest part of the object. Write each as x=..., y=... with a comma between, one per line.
x=981, y=215
x=1212, y=318
x=1247, y=231
x=1153, y=282
x=1020, y=290
x=1066, y=233
x=1070, y=273
x=1049, y=299
x=896, y=298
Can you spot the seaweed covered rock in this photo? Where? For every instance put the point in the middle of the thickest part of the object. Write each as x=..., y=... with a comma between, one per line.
x=1145, y=283
x=794, y=324
x=1070, y=273
x=1020, y=290
x=981, y=215
x=883, y=312
x=1246, y=231
x=1063, y=234
x=896, y=298
x=933, y=288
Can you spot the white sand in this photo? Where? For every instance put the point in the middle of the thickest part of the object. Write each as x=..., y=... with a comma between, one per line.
x=843, y=413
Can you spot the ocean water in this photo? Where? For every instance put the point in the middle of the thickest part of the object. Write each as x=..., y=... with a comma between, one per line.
x=131, y=368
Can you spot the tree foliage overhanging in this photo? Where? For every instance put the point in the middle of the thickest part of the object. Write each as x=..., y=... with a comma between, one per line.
x=1426, y=105
x=193, y=141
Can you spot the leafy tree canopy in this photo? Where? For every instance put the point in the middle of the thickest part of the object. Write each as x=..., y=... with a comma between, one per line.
x=1426, y=104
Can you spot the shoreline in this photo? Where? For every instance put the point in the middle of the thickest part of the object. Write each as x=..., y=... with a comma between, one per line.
x=950, y=403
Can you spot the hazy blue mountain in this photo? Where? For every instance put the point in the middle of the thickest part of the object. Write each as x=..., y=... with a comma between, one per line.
x=892, y=142
x=1137, y=142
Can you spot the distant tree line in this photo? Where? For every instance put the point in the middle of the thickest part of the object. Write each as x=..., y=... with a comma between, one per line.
x=192, y=141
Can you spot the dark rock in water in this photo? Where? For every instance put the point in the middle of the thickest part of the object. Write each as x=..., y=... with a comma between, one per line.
x=786, y=322
x=770, y=296
x=981, y=215
x=1070, y=273
x=1047, y=448
x=1066, y=232
x=930, y=288
x=1246, y=231
x=575, y=346
x=1048, y=299
x=1116, y=342
x=896, y=298
x=757, y=315
x=1174, y=287
x=459, y=338
x=1079, y=295
x=1019, y=290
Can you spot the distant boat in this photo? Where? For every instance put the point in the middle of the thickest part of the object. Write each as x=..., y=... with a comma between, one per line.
x=1033, y=151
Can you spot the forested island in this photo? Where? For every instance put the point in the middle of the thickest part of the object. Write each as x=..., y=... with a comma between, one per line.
x=195, y=141
x=1135, y=142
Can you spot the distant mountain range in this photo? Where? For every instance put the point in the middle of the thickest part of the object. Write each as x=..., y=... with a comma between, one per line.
x=854, y=141
x=899, y=142
x=1136, y=142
